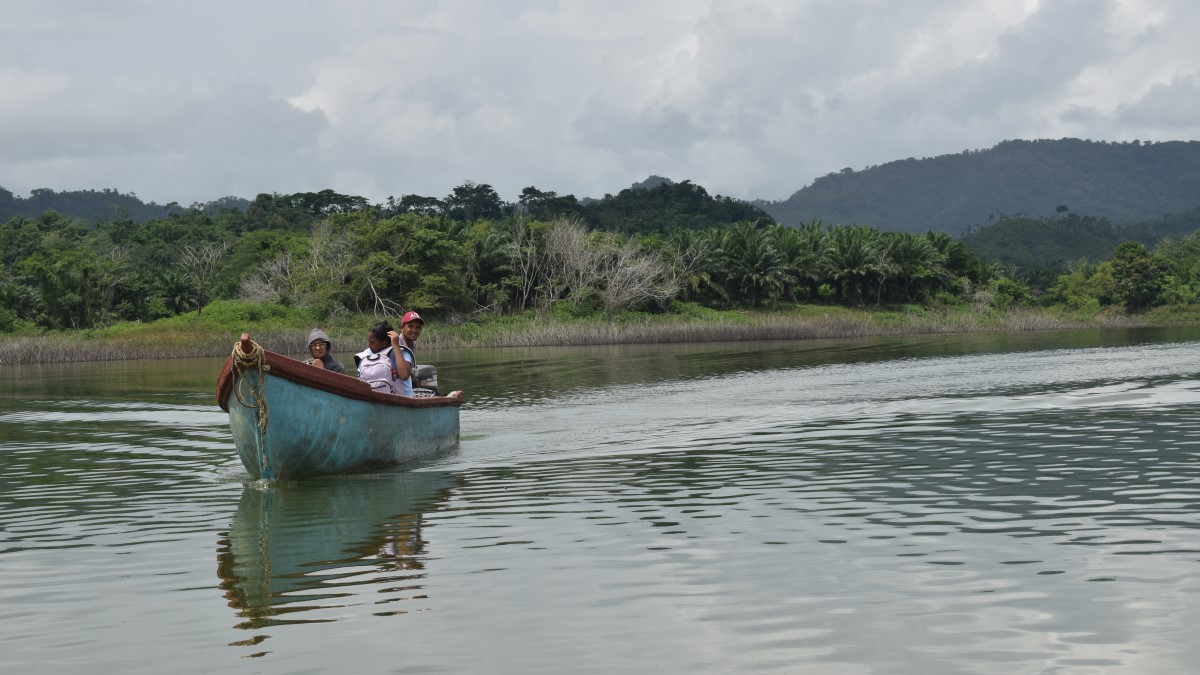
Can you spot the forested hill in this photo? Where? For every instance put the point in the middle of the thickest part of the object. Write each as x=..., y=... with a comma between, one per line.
x=659, y=204
x=1123, y=182
x=94, y=205
x=1052, y=243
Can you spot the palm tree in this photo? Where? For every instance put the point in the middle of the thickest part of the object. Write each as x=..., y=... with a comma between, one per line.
x=884, y=266
x=176, y=290
x=490, y=266
x=801, y=248
x=695, y=254
x=850, y=258
x=751, y=260
x=921, y=266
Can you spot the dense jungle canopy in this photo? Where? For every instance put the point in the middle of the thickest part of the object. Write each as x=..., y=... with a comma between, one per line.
x=92, y=258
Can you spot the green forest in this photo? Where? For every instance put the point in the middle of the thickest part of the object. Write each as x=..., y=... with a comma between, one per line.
x=1031, y=244
x=467, y=255
x=655, y=248
x=94, y=205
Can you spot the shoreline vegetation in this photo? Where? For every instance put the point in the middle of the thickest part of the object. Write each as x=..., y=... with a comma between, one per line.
x=655, y=264
x=213, y=335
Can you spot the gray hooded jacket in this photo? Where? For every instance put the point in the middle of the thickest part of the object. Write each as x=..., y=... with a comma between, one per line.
x=327, y=359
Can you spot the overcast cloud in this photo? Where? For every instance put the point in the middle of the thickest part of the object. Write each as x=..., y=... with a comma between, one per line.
x=754, y=99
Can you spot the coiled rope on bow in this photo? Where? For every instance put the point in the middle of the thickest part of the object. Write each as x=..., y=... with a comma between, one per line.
x=256, y=397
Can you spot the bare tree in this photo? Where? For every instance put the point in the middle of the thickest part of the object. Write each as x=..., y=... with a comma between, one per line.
x=523, y=253
x=569, y=263
x=330, y=256
x=316, y=276
x=273, y=281
x=201, y=263
x=628, y=276
x=578, y=265
x=383, y=306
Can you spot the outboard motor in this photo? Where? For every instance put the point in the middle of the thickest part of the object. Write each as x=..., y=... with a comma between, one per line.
x=425, y=381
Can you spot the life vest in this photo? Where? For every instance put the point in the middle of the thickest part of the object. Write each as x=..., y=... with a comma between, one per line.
x=379, y=371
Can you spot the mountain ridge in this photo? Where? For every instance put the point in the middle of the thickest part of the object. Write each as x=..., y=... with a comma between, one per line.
x=1124, y=182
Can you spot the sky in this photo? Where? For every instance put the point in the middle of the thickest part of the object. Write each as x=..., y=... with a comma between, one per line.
x=754, y=99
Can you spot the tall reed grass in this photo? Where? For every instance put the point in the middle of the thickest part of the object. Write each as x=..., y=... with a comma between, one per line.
x=68, y=349
x=168, y=345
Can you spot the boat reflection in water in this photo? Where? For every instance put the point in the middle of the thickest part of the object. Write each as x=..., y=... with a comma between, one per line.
x=296, y=552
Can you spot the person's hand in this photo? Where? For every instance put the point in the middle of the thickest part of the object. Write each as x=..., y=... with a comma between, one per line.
x=394, y=336
x=318, y=363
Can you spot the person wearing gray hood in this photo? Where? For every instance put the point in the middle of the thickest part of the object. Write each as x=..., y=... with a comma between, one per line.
x=319, y=347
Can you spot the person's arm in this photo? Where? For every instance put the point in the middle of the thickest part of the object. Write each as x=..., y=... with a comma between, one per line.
x=403, y=367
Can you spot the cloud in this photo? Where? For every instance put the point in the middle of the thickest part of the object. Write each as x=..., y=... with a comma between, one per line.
x=750, y=98
x=1171, y=106
x=55, y=131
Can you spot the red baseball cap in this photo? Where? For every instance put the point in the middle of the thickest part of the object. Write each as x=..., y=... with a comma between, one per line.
x=411, y=316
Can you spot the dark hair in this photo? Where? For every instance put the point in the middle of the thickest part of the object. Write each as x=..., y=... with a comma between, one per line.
x=380, y=330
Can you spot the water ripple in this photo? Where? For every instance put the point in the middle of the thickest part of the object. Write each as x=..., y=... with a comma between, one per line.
x=938, y=513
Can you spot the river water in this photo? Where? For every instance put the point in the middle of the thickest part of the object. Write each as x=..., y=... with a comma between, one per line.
x=1024, y=503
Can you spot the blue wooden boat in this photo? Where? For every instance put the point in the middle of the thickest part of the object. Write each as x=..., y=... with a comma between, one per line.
x=293, y=421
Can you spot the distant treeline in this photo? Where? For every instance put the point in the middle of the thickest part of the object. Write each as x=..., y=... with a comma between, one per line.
x=656, y=204
x=1123, y=182
x=467, y=254
x=98, y=205
x=1029, y=244
x=655, y=247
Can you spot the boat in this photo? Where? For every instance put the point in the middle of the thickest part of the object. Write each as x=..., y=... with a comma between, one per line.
x=292, y=421
x=294, y=549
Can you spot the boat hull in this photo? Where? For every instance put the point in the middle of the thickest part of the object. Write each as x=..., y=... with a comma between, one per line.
x=321, y=423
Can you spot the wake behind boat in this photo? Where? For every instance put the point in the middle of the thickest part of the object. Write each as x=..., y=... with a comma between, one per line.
x=293, y=421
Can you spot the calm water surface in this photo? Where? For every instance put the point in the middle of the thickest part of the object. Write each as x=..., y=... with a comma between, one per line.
x=964, y=504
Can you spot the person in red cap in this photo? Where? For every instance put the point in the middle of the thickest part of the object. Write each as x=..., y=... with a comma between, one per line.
x=411, y=325
x=404, y=343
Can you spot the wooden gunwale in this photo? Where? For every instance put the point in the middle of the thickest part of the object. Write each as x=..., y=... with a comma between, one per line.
x=327, y=381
